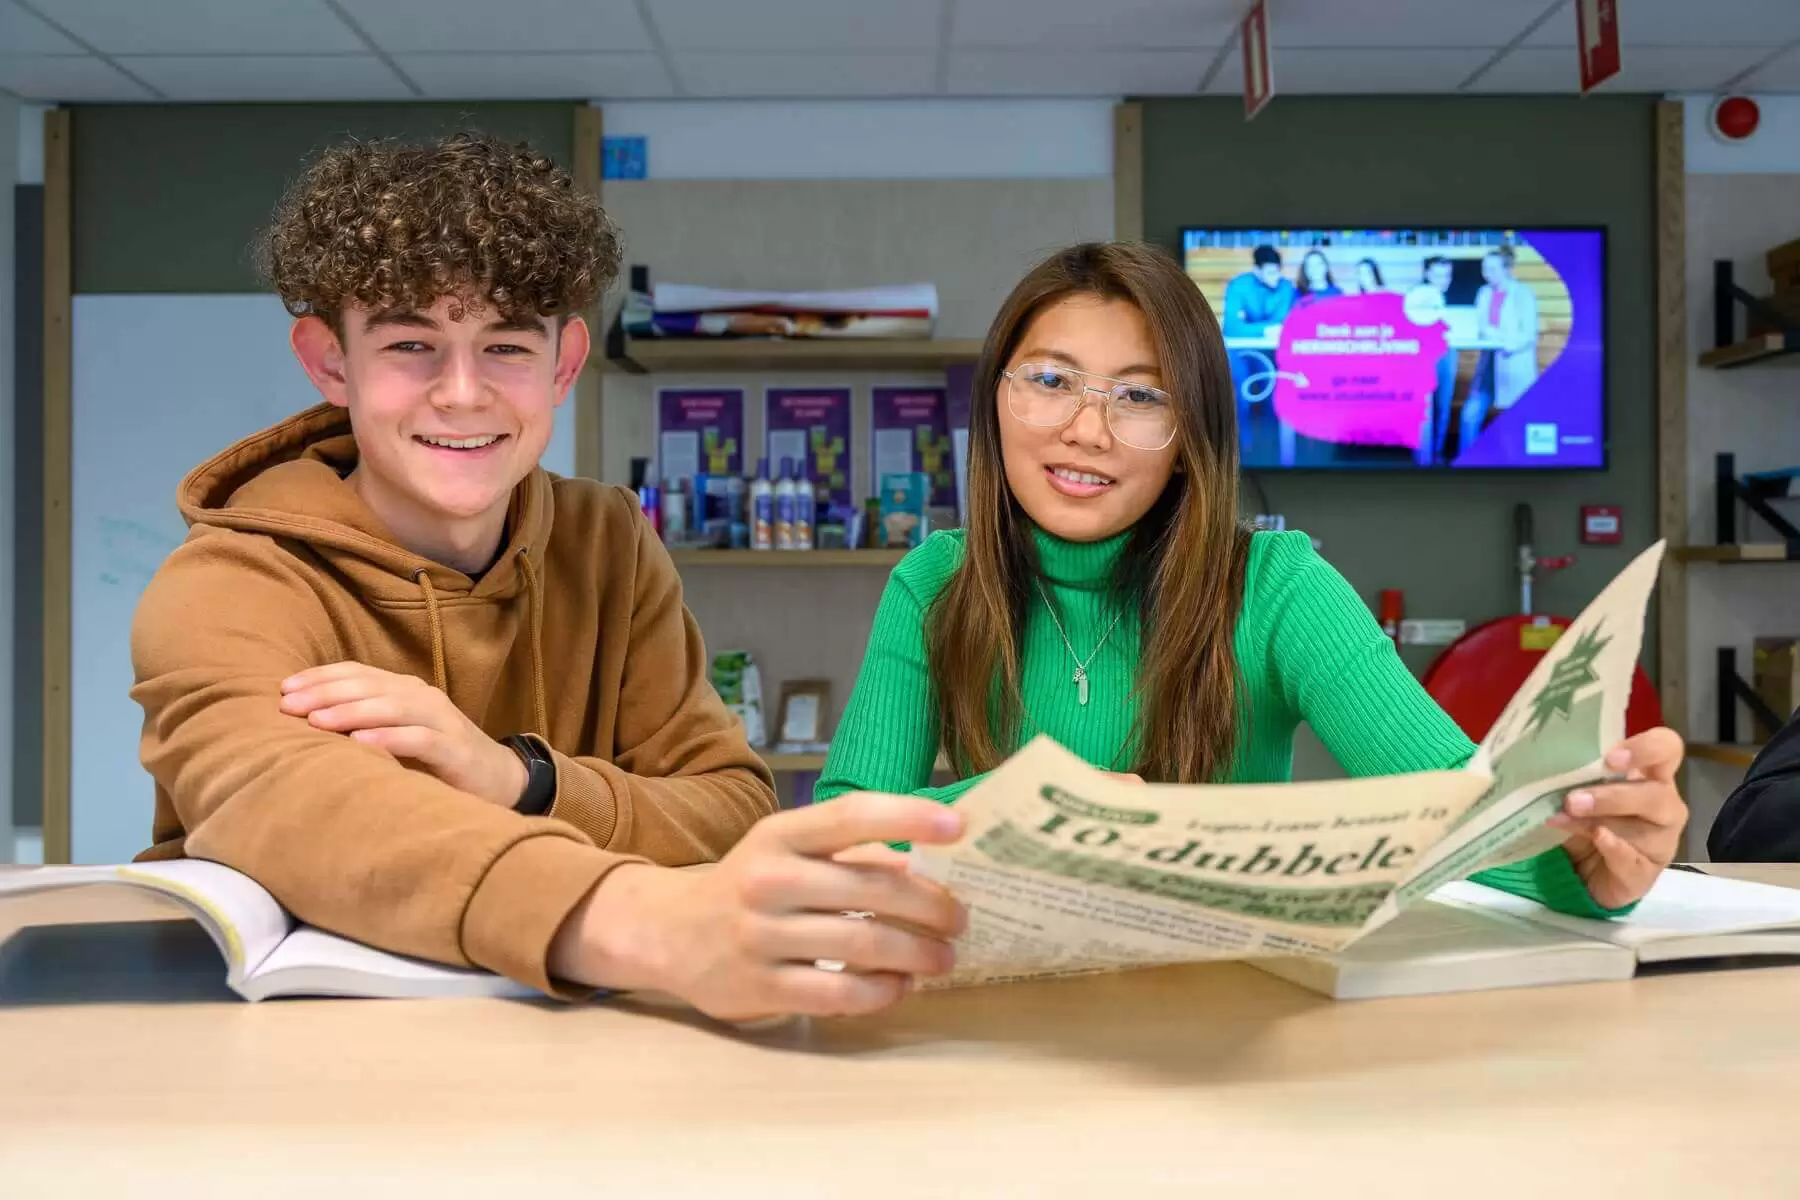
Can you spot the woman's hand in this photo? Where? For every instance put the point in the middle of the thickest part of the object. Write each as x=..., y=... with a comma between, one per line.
x=1622, y=835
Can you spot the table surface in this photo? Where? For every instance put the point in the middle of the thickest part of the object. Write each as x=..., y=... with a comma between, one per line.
x=127, y=1068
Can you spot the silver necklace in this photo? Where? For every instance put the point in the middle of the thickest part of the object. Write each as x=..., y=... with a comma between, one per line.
x=1080, y=679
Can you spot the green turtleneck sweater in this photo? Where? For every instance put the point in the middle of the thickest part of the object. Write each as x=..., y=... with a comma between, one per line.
x=1307, y=647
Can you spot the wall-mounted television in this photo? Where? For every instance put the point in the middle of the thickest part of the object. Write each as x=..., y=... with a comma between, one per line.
x=1411, y=348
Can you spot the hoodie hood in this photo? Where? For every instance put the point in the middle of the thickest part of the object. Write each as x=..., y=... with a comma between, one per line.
x=291, y=481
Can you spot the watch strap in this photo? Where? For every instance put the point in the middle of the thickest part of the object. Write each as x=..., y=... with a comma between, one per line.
x=540, y=775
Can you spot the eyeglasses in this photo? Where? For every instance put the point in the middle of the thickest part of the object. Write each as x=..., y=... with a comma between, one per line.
x=1049, y=395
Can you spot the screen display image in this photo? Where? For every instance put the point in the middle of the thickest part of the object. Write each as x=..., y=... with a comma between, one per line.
x=1468, y=349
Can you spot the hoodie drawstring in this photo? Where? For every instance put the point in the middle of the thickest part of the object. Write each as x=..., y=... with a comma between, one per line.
x=540, y=707
x=439, y=675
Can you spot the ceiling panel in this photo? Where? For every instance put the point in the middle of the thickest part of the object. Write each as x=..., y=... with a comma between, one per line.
x=537, y=76
x=269, y=77
x=477, y=26
x=1687, y=23
x=1781, y=75
x=71, y=78
x=23, y=33
x=1077, y=72
x=1077, y=24
x=889, y=26
x=1394, y=23
x=806, y=74
x=1391, y=71
x=205, y=26
x=1641, y=69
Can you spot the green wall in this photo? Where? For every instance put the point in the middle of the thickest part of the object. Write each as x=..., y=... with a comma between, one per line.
x=206, y=177
x=1435, y=160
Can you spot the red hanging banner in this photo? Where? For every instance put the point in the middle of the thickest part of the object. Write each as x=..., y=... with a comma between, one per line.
x=1597, y=37
x=1253, y=36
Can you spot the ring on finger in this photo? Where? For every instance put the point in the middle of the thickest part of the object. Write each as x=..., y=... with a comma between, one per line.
x=837, y=964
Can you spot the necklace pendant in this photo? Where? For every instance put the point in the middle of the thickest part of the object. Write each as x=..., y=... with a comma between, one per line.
x=1081, y=688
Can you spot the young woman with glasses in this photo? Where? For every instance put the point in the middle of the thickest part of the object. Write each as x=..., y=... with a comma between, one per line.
x=1106, y=593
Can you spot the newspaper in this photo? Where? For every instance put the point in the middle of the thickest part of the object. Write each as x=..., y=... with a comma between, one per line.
x=1067, y=870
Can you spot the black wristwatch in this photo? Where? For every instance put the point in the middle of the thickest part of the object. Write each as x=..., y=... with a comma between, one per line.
x=540, y=775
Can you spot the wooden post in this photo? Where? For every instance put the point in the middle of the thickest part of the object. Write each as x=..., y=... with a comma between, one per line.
x=1128, y=172
x=589, y=385
x=1671, y=420
x=59, y=283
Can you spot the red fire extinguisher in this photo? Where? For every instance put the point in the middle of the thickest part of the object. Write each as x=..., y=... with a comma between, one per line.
x=1393, y=612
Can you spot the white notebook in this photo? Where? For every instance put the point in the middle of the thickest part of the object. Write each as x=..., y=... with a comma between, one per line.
x=267, y=953
x=1468, y=937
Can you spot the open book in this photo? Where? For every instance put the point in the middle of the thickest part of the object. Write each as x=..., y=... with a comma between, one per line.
x=267, y=953
x=1467, y=937
x=1065, y=869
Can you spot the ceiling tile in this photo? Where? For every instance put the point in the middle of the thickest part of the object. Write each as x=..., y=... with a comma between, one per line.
x=1357, y=71
x=470, y=26
x=806, y=74
x=1077, y=72
x=23, y=33
x=67, y=79
x=1765, y=23
x=887, y=26
x=205, y=26
x=1641, y=69
x=269, y=77
x=1781, y=75
x=1295, y=24
x=1076, y=24
x=537, y=76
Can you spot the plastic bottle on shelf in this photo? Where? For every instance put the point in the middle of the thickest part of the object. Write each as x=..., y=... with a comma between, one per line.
x=806, y=513
x=650, y=498
x=784, y=506
x=762, y=509
x=675, y=512
x=737, y=501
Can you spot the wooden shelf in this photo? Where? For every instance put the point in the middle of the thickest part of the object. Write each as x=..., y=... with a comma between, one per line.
x=1776, y=315
x=1738, y=553
x=812, y=354
x=780, y=763
x=1738, y=354
x=787, y=558
x=812, y=762
x=1731, y=756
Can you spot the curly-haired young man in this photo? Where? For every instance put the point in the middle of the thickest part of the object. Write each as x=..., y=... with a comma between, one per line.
x=437, y=700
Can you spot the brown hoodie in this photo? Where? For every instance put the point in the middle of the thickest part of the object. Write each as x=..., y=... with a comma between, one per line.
x=577, y=633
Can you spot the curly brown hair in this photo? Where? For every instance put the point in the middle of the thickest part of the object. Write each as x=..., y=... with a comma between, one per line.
x=384, y=225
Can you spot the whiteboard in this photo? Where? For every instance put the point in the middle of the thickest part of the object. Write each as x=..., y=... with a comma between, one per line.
x=161, y=383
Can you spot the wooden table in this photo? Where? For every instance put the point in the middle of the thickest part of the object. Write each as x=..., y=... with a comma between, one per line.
x=127, y=1070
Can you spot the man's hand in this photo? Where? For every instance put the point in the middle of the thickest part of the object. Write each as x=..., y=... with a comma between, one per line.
x=409, y=719
x=1622, y=835
x=743, y=940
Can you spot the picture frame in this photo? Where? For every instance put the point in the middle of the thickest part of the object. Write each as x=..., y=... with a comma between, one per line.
x=803, y=721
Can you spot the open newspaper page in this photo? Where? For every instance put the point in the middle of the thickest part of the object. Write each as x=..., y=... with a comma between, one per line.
x=1066, y=870
x=1551, y=738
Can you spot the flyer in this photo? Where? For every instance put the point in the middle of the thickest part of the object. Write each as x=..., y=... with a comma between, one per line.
x=811, y=424
x=909, y=432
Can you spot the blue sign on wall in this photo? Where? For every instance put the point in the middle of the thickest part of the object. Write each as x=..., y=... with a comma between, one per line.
x=623, y=158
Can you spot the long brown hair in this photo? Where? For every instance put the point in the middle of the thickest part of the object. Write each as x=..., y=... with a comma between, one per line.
x=1183, y=564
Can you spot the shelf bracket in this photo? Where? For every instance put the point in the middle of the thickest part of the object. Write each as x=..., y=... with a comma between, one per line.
x=1730, y=490
x=1732, y=689
x=1727, y=294
x=616, y=352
